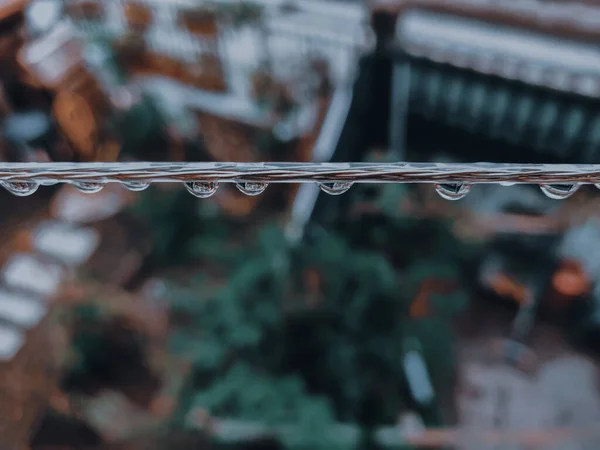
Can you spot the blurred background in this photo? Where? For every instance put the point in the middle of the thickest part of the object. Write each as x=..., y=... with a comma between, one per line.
x=198, y=316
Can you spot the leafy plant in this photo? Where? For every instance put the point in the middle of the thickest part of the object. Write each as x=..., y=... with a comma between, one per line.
x=267, y=330
x=322, y=326
x=180, y=225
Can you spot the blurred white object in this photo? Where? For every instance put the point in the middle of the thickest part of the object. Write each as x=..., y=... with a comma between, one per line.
x=25, y=272
x=73, y=206
x=11, y=341
x=20, y=309
x=42, y=16
x=531, y=57
x=72, y=246
x=411, y=425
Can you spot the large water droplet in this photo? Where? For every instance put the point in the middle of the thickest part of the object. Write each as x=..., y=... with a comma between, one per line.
x=559, y=191
x=88, y=187
x=251, y=188
x=202, y=189
x=20, y=188
x=454, y=191
x=336, y=188
x=136, y=186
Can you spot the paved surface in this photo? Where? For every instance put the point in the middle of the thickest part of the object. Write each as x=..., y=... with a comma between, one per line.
x=563, y=393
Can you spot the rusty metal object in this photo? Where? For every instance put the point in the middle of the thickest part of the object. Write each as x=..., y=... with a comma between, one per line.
x=55, y=62
x=200, y=21
x=227, y=140
x=139, y=16
x=131, y=51
x=207, y=73
x=77, y=119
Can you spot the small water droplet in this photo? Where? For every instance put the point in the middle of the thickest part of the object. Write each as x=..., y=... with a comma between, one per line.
x=336, y=188
x=88, y=187
x=136, y=186
x=507, y=183
x=202, y=189
x=20, y=188
x=559, y=191
x=454, y=191
x=251, y=188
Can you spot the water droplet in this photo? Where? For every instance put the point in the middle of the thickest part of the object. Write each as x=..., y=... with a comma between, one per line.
x=559, y=191
x=454, y=191
x=251, y=188
x=88, y=187
x=202, y=189
x=507, y=183
x=336, y=188
x=48, y=183
x=136, y=186
x=597, y=185
x=20, y=188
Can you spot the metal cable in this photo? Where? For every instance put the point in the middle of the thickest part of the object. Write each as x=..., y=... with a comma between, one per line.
x=274, y=172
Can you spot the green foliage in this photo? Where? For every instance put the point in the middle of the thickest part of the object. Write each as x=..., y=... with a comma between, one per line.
x=109, y=352
x=260, y=334
x=388, y=225
x=436, y=338
x=183, y=227
x=272, y=347
x=172, y=219
x=245, y=393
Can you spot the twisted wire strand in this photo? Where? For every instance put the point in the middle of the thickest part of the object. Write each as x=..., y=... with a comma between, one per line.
x=273, y=172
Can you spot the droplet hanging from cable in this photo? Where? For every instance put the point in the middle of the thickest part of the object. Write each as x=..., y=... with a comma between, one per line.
x=559, y=191
x=454, y=191
x=202, y=189
x=335, y=188
x=136, y=186
x=251, y=188
x=20, y=188
x=88, y=187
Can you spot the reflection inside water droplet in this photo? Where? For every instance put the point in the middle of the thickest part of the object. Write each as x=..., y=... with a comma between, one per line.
x=335, y=188
x=202, y=189
x=559, y=191
x=251, y=188
x=88, y=187
x=20, y=188
x=136, y=186
x=454, y=191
